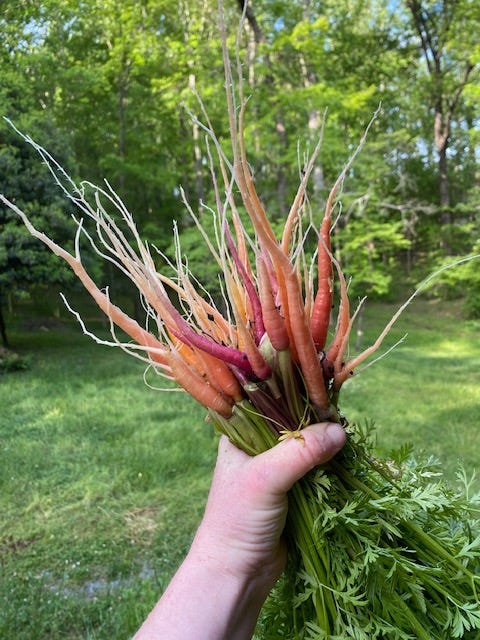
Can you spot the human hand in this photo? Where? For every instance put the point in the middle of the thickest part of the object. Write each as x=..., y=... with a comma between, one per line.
x=238, y=552
x=241, y=532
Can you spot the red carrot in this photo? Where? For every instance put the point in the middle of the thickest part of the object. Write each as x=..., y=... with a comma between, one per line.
x=257, y=362
x=274, y=322
x=322, y=307
x=227, y=354
x=257, y=320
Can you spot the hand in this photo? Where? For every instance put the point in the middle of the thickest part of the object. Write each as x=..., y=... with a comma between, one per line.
x=238, y=552
x=247, y=505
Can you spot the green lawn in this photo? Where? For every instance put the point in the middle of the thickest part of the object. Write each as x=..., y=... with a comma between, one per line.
x=427, y=391
x=104, y=480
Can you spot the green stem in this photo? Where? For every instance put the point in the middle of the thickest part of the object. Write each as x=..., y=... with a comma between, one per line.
x=247, y=428
x=301, y=528
x=286, y=375
x=426, y=541
x=412, y=619
x=438, y=550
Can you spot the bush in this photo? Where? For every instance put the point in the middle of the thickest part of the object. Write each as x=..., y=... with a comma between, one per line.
x=11, y=361
x=461, y=282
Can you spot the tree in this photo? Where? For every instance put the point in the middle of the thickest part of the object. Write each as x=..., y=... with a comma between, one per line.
x=450, y=47
x=25, y=263
x=114, y=83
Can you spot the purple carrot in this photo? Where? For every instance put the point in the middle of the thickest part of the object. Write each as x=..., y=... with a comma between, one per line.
x=259, y=327
x=229, y=355
x=189, y=336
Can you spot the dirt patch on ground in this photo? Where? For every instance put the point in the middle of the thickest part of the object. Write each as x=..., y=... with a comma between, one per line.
x=11, y=361
x=42, y=324
x=10, y=545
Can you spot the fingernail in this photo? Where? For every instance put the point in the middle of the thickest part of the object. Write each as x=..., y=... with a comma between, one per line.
x=335, y=435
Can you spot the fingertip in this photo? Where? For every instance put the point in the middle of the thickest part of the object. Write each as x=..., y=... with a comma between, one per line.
x=332, y=436
x=336, y=436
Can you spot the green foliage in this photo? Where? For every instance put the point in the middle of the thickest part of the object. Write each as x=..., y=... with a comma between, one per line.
x=112, y=86
x=461, y=283
x=369, y=250
x=401, y=547
x=11, y=361
x=23, y=262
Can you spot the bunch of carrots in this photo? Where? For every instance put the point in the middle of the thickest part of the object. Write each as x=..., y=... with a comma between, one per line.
x=374, y=556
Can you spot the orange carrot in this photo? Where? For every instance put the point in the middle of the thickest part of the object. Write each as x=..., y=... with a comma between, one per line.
x=210, y=368
x=198, y=387
x=307, y=354
x=343, y=319
x=220, y=375
x=272, y=318
x=322, y=307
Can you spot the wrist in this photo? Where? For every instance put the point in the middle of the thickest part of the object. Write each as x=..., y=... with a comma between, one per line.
x=207, y=598
x=238, y=595
x=246, y=562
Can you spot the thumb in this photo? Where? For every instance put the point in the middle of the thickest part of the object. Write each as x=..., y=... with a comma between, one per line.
x=291, y=459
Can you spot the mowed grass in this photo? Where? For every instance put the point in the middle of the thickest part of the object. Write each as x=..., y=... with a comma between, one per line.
x=103, y=481
x=427, y=390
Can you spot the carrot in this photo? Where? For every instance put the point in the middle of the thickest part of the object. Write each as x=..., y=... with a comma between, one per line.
x=306, y=352
x=322, y=307
x=257, y=320
x=272, y=318
x=198, y=387
x=215, y=371
x=255, y=359
x=220, y=376
x=343, y=320
x=289, y=288
x=185, y=351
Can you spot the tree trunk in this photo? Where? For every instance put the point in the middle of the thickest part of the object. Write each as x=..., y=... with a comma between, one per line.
x=442, y=138
x=255, y=37
x=3, y=330
x=197, y=152
x=444, y=188
x=122, y=126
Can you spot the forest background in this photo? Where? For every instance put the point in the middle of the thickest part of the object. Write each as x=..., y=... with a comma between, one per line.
x=109, y=88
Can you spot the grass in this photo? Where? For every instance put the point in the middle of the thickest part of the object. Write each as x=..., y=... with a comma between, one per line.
x=103, y=481
x=427, y=392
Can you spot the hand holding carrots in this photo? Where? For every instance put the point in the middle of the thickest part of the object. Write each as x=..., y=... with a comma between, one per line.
x=247, y=505
x=238, y=552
